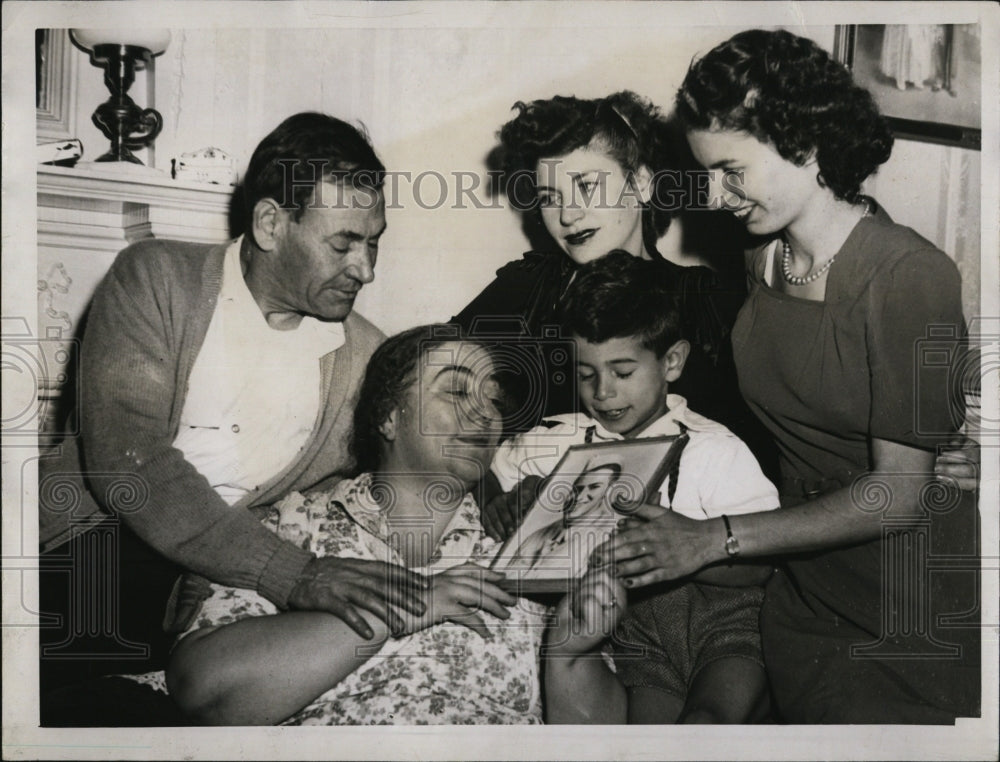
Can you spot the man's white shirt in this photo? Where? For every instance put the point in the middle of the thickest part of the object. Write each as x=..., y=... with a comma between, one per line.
x=254, y=392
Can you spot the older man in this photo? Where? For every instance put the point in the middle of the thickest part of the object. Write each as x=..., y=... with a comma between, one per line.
x=215, y=379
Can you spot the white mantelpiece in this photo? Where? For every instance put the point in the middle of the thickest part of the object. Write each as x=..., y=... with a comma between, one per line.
x=86, y=215
x=131, y=204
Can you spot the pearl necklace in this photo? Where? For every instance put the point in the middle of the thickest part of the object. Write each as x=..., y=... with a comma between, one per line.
x=786, y=257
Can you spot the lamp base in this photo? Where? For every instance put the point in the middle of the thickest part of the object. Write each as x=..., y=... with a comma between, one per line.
x=122, y=122
x=123, y=155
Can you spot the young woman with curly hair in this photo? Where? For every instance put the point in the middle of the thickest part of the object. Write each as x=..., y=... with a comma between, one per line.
x=828, y=351
x=601, y=174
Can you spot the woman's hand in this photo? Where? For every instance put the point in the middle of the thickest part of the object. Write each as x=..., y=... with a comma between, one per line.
x=959, y=462
x=655, y=544
x=456, y=595
x=588, y=615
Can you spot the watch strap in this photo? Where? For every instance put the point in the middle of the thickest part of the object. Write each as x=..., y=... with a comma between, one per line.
x=732, y=544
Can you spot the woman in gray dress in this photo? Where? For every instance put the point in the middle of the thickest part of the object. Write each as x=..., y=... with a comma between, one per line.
x=843, y=350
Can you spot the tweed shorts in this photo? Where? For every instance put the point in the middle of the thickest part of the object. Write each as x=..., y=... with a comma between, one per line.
x=666, y=638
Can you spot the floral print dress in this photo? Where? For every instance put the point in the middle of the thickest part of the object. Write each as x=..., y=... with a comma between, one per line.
x=445, y=674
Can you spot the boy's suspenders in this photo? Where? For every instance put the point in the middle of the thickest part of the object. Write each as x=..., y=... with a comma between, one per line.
x=673, y=460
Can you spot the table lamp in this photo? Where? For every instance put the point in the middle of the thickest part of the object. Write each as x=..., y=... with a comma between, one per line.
x=120, y=52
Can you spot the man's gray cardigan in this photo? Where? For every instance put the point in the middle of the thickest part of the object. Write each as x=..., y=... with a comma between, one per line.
x=145, y=327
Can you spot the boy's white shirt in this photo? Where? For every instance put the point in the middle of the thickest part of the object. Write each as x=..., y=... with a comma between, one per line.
x=718, y=474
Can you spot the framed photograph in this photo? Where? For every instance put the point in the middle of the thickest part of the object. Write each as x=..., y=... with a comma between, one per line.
x=925, y=77
x=576, y=511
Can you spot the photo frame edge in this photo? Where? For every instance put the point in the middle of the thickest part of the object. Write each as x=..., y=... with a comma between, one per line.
x=940, y=133
x=659, y=470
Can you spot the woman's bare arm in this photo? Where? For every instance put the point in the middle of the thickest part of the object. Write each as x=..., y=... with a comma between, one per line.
x=849, y=515
x=260, y=670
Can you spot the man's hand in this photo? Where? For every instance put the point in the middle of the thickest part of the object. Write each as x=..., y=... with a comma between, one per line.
x=340, y=586
x=502, y=514
x=457, y=594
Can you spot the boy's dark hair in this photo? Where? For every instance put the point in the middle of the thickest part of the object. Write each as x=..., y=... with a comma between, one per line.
x=788, y=92
x=303, y=150
x=619, y=296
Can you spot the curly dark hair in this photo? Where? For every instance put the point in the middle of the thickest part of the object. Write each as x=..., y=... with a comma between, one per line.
x=788, y=92
x=628, y=127
x=306, y=147
x=618, y=296
x=390, y=373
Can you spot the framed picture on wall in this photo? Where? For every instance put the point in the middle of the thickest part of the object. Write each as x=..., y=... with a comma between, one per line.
x=925, y=77
x=54, y=93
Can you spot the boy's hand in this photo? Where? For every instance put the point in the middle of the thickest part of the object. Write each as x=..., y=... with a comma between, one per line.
x=588, y=615
x=654, y=544
x=502, y=515
x=456, y=595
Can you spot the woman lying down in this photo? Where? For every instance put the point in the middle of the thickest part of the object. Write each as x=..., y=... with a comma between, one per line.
x=424, y=435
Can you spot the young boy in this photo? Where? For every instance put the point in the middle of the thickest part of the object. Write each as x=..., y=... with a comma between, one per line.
x=699, y=656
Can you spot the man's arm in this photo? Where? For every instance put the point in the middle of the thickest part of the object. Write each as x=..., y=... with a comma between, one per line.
x=139, y=325
x=130, y=368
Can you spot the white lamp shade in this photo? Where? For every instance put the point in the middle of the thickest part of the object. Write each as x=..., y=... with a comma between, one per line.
x=153, y=40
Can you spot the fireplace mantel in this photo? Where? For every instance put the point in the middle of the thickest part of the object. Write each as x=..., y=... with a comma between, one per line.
x=86, y=215
x=90, y=207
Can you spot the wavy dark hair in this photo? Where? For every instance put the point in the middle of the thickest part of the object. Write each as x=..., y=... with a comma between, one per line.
x=619, y=296
x=304, y=149
x=390, y=373
x=628, y=127
x=788, y=92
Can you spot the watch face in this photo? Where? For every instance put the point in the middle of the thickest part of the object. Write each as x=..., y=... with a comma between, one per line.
x=732, y=546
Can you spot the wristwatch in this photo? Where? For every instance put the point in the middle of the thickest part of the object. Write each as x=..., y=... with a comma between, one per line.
x=732, y=544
